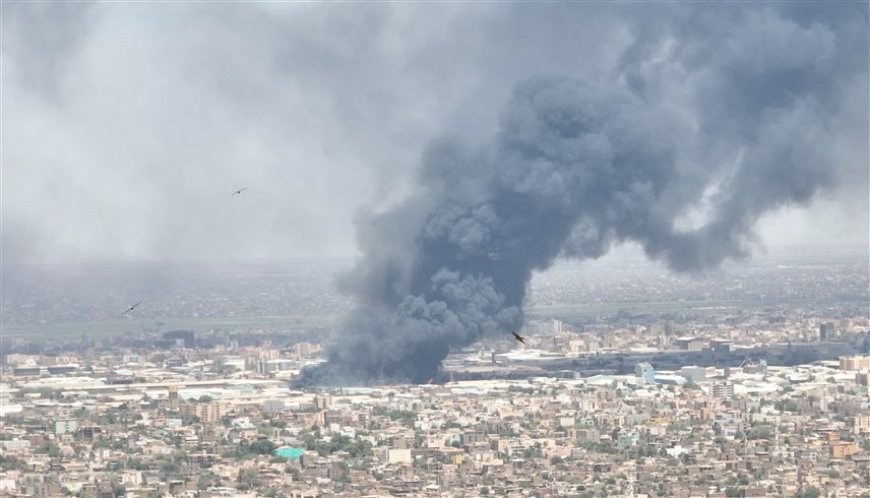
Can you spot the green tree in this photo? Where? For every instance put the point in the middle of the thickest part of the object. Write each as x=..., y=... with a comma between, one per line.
x=294, y=472
x=9, y=462
x=262, y=447
x=49, y=448
x=206, y=480
x=809, y=492
x=248, y=479
x=170, y=468
x=135, y=464
x=406, y=417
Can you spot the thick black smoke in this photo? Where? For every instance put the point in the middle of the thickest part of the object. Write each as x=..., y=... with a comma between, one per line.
x=728, y=115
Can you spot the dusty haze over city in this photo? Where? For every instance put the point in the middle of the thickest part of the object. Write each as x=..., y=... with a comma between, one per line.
x=434, y=249
x=127, y=126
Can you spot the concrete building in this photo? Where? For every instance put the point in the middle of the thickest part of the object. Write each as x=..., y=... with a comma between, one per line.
x=852, y=363
x=722, y=390
x=844, y=449
x=694, y=373
x=645, y=372
x=690, y=343
x=826, y=331
x=399, y=456
x=210, y=412
x=273, y=406
x=66, y=426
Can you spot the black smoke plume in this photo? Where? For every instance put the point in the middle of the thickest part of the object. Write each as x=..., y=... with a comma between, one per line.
x=728, y=115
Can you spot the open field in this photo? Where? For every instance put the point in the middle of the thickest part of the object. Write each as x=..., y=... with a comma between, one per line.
x=580, y=311
x=38, y=332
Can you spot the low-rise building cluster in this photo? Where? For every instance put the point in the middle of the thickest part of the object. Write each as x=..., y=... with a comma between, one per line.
x=205, y=431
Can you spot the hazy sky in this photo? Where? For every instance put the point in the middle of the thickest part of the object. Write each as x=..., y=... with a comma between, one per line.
x=127, y=126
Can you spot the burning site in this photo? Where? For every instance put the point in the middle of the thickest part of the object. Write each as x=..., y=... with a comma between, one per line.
x=681, y=150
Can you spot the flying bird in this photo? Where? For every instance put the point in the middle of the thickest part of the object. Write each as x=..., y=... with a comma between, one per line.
x=519, y=337
x=239, y=191
x=131, y=308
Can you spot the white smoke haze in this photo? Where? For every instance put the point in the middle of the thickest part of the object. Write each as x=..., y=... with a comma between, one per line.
x=467, y=145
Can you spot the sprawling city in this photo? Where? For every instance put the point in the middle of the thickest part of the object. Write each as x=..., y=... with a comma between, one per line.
x=434, y=249
x=631, y=382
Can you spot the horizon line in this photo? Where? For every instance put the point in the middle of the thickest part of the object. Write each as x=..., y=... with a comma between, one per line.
x=762, y=252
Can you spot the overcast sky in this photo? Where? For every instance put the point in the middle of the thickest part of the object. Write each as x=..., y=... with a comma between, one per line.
x=127, y=126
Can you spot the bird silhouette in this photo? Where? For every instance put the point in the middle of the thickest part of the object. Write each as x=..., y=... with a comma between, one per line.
x=519, y=337
x=239, y=191
x=131, y=308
